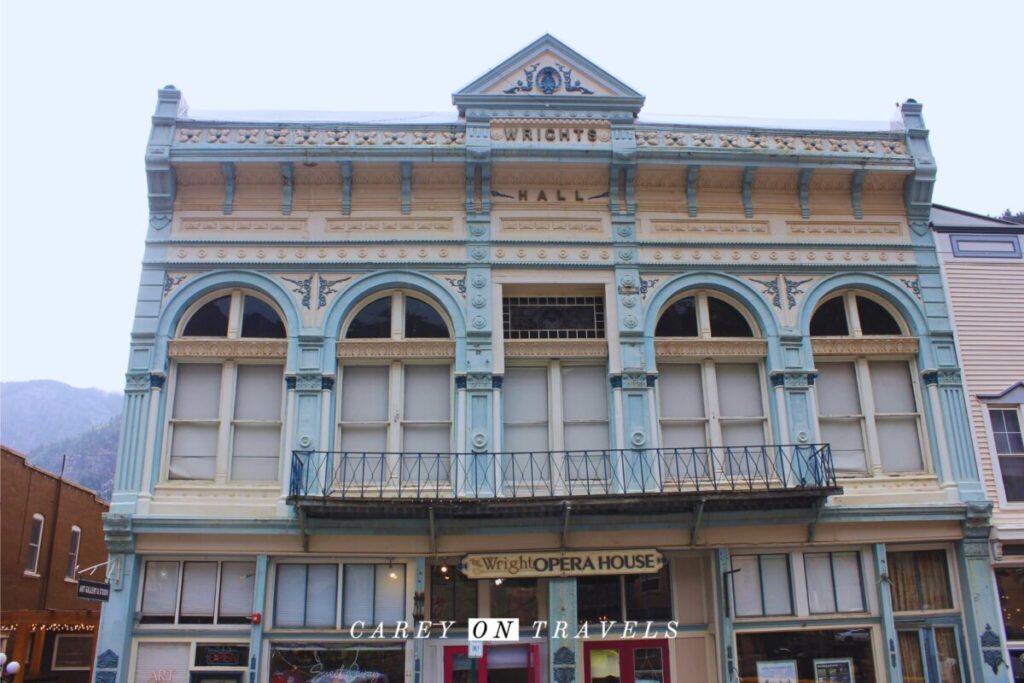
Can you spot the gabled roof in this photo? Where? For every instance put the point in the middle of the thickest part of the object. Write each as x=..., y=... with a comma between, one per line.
x=1012, y=394
x=948, y=217
x=547, y=71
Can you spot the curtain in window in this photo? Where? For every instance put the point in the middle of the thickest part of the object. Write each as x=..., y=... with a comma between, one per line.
x=198, y=592
x=934, y=577
x=389, y=597
x=321, y=594
x=895, y=416
x=820, y=595
x=164, y=662
x=525, y=403
x=840, y=415
x=849, y=591
x=290, y=596
x=585, y=421
x=426, y=427
x=681, y=401
x=364, y=424
x=775, y=583
x=257, y=425
x=910, y=657
x=746, y=585
x=357, y=601
x=160, y=590
x=949, y=655
x=195, y=415
x=236, y=589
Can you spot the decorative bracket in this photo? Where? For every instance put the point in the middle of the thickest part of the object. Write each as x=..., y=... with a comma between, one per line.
x=692, y=172
x=748, y=191
x=856, y=186
x=805, y=192
x=406, y=187
x=227, y=168
x=288, y=185
x=346, y=187
x=485, y=188
x=159, y=174
x=470, y=188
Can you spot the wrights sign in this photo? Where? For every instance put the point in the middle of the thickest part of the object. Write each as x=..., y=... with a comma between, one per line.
x=570, y=563
x=550, y=132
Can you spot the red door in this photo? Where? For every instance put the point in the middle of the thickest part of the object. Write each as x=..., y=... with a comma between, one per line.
x=626, y=661
x=518, y=663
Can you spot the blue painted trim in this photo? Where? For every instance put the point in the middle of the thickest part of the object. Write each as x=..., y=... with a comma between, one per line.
x=856, y=192
x=748, y=191
x=346, y=187
x=288, y=186
x=406, y=167
x=805, y=192
x=692, y=173
x=1012, y=240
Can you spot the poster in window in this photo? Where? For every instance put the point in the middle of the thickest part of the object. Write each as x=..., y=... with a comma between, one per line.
x=833, y=670
x=781, y=671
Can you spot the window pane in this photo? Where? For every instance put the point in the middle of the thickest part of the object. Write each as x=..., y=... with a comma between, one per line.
x=683, y=435
x=364, y=394
x=820, y=596
x=422, y=321
x=160, y=591
x=746, y=584
x=193, y=452
x=525, y=395
x=775, y=580
x=453, y=597
x=260, y=320
x=515, y=598
x=648, y=666
x=920, y=580
x=389, y=600
x=71, y=571
x=258, y=395
x=739, y=390
x=197, y=391
x=680, y=390
x=198, y=592
x=736, y=434
x=874, y=319
x=897, y=439
x=1011, y=596
x=891, y=387
x=255, y=453
x=679, y=319
x=164, y=662
x=649, y=596
x=372, y=322
x=237, y=581
x=427, y=392
x=599, y=598
x=911, y=660
x=357, y=601
x=586, y=437
x=34, y=542
x=554, y=317
x=211, y=320
x=837, y=389
x=726, y=321
x=290, y=595
x=605, y=666
x=584, y=393
x=849, y=591
x=424, y=439
x=1006, y=432
x=1012, y=470
x=321, y=594
x=830, y=319
x=846, y=438
x=363, y=440
x=949, y=655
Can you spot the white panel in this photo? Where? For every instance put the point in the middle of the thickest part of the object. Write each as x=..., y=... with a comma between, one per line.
x=389, y=601
x=160, y=590
x=891, y=387
x=427, y=392
x=254, y=469
x=820, y=597
x=837, y=389
x=237, y=581
x=164, y=662
x=258, y=393
x=197, y=391
x=525, y=393
x=363, y=439
x=743, y=434
x=849, y=592
x=582, y=437
x=255, y=453
x=426, y=439
x=746, y=585
x=290, y=595
x=739, y=390
x=198, y=589
x=357, y=602
x=775, y=579
x=364, y=393
x=321, y=594
x=526, y=439
x=193, y=451
x=897, y=439
x=683, y=435
x=847, y=442
x=681, y=390
x=584, y=393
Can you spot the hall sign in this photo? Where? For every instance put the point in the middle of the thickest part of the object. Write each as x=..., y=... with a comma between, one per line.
x=550, y=134
x=557, y=564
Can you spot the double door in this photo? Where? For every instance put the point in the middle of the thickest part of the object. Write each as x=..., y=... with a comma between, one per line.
x=626, y=661
x=499, y=664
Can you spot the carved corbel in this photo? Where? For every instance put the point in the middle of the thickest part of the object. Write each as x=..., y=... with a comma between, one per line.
x=406, y=187
x=470, y=187
x=227, y=169
x=856, y=188
x=748, y=191
x=288, y=184
x=159, y=173
x=485, y=188
x=805, y=192
x=346, y=187
x=692, y=173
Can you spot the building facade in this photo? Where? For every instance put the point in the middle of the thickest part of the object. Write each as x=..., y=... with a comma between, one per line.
x=52, y=534
x=692, y=384
x=984, y=272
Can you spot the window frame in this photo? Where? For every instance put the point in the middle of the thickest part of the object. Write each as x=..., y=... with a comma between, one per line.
x=623, y=595
x=835, y=590
x=235, y=312
x=704, y=315
x=994, y=455
x=176, y=622
x=760, y=578
x=398, y=297
x=58, y=637
x=35, y=544
x=952, y=576
x=75, y=538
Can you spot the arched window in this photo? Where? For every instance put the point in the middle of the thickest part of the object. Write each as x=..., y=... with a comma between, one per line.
x=711, y=384
x=866, y=388
x=226, y=390
x=395, y=395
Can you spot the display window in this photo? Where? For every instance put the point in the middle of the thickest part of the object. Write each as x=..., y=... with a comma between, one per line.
x=626, y=661
x=832, y=656
x=160, y=661
x=337, y=663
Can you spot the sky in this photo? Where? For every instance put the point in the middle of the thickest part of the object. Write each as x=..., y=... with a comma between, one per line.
x=79, y=82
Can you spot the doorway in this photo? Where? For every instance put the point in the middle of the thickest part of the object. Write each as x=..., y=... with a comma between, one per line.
x=626, y=661
x=500, y=664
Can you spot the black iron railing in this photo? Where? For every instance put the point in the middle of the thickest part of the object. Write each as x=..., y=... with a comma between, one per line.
x=555, y=474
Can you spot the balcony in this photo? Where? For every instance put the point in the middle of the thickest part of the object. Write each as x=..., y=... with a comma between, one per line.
x=331, y=484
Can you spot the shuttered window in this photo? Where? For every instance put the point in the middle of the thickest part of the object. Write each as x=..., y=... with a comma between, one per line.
x=197, y=592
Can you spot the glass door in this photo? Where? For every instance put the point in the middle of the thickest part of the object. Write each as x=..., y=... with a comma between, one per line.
x=500, y=664
x=632, y=661
x=930, y=654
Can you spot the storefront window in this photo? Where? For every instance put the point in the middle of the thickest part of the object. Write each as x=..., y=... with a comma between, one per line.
x=834, y=651
x=514, y=598
x=452, y=595
x=1011, y=596
x=932, y=649
x=761, y=585
x=834, y=582
x=920, y=580
x=326, y=663
x=640, y=597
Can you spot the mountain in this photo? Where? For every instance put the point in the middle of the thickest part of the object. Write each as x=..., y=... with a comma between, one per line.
x=91, y=456
x=42, y=412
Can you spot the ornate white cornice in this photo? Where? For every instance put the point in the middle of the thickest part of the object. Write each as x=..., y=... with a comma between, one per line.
x=389, y=226
x=556, y=348
x=710, y=348
x=228, y=348
x=396, y=348
x=854, y=346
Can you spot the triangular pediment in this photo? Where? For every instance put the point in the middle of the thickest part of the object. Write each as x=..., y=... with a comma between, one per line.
x=547, y=69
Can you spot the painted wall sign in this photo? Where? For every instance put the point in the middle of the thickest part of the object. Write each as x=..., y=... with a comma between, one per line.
x=93, y=590
x=549, y=195
x=571, y=563
x=833, y=670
